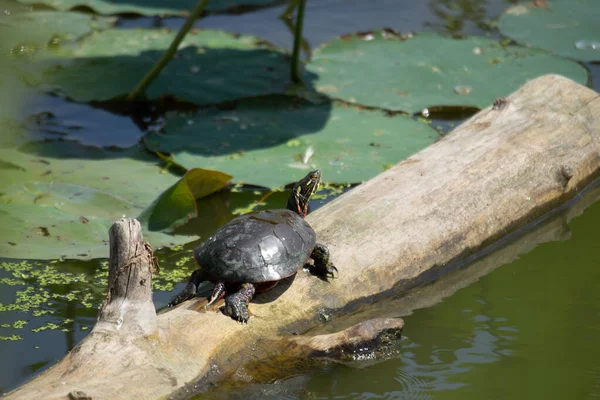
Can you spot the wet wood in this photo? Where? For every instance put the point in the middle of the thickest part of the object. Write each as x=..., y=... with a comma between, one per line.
x=364, y=339
x=498, y=171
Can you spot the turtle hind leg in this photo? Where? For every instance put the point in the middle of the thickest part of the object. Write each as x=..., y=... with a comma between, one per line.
x=198, y=276
x=321, y=265
x=236, y=305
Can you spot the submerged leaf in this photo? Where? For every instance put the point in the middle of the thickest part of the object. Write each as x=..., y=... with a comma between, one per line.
x=422, y=71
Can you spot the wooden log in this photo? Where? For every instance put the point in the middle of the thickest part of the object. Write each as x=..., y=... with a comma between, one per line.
x=500, y=170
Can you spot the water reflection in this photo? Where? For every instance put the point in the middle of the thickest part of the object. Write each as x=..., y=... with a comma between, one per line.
x=455, y=15
x=526, y=330
x=325, y=20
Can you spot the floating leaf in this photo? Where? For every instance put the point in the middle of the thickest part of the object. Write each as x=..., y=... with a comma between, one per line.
x=177, y=204
x=132, y=173
x=14, y=97
x=41, y=232
x=22, y=34
x=210, y=66
x=59, y=198
x=148, y=7
x=423, y=71
x=23, y=31
x=269, y=141
x=570, y=28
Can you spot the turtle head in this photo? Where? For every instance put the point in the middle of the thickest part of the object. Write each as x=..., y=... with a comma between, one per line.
x=303, y=191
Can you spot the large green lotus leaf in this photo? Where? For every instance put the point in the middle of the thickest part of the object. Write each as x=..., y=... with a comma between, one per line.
x=22, y=30
x=266, y=141
x=84, y=190
x=148, y=7
x=570, y=28
x=210, y=66
x=428, y=70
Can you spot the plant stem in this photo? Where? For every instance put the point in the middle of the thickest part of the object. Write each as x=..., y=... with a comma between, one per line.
x=297, y=42
x=292, y=28
x=290, y=8
x=169, y=53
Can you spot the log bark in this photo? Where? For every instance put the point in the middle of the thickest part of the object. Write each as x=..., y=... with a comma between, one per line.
x=500, y=170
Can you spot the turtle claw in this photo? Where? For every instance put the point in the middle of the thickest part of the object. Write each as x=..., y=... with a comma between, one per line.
x=324, y=272
x=320, y=265
x=332, y=272
x=187, y=293
x=236, y=305
x=237, y=310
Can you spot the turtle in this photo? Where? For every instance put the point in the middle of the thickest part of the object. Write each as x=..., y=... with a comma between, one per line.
x=253, y=252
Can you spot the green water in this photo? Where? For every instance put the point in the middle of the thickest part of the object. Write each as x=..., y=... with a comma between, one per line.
x=528, y=329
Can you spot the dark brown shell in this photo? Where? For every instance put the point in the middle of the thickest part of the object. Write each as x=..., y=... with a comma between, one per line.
x=257, y=247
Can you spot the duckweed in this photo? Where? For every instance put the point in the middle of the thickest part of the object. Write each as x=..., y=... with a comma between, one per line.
x=47, y=289
x=11, y=338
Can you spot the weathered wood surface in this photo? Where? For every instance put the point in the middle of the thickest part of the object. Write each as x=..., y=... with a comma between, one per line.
x=498, y=171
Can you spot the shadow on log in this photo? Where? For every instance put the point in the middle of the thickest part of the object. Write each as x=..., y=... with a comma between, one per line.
x=499, y=171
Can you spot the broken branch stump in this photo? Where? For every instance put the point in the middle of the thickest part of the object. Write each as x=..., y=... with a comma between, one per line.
x=128, y=307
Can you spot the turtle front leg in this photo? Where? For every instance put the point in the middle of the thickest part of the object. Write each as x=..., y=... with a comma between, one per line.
x=198, y=276
x=322, y=265
x=236, y=305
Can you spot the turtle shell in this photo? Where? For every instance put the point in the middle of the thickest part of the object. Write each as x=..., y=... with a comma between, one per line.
x=257, y=247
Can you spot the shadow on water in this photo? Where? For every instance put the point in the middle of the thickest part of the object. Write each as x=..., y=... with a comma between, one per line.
x=52, y=118
x=258, y=123
x=198, y=75
x=268, y=117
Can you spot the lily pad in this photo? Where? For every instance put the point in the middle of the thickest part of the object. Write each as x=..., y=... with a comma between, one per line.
x=210, y=66
x=23, y=31
x=14, y=98
x=58, y=199
x=177, y=204
x=383, y=69
x=570, y=28
x=274, y=140
x=149, y=7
